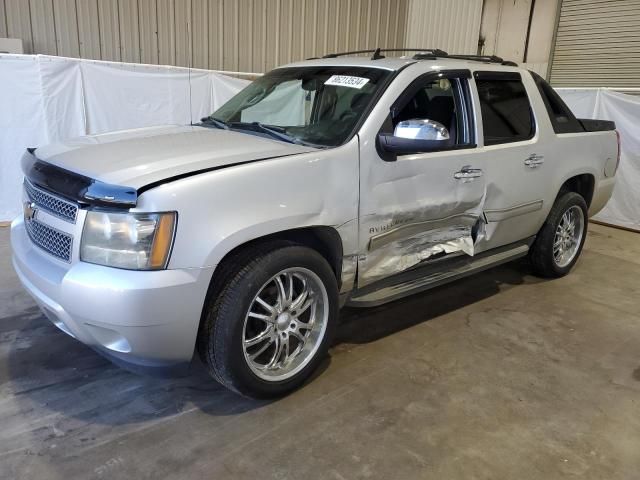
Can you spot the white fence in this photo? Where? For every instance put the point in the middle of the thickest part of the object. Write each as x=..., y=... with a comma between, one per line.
x=44, y=99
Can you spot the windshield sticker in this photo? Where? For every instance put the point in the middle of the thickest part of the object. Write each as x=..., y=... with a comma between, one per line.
x=347, y=81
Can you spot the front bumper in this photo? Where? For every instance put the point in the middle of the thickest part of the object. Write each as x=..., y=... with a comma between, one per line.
x=139, y=319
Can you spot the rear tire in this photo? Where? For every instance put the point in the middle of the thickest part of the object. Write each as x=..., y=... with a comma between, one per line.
x=560, y=240
x=273, y=321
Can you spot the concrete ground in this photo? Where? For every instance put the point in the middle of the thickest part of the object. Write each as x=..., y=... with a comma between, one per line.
x=499, y=376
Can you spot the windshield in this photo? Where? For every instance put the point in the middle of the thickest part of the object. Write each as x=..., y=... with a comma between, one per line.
x=310, y=105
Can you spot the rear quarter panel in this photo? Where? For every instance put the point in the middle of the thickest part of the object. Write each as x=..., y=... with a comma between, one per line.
x=570, y=154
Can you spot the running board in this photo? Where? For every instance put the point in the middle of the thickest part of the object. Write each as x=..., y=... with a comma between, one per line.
x=433, y=275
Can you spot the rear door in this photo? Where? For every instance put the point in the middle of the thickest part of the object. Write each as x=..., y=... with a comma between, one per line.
x=419, y=207
x=513, y=156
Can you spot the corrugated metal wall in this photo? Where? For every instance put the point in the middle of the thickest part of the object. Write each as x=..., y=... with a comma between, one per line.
x=236, y=35
x=451, y=25
x=597, y=44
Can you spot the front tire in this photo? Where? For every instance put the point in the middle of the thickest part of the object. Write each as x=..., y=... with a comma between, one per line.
x=560, y=240
x=273, y=322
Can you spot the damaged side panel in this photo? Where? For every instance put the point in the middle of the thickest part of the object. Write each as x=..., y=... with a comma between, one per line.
x=450, y=222
x=401, y=255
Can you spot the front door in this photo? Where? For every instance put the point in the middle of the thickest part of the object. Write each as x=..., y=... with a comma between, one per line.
x=418, y=207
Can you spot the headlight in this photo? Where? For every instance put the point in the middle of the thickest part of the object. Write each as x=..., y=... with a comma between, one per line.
x=136, y=241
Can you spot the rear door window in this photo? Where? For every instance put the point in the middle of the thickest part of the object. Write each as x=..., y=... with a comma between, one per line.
x=506, y=111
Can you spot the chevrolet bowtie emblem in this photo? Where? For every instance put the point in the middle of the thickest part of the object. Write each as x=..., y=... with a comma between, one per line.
x=29, y=209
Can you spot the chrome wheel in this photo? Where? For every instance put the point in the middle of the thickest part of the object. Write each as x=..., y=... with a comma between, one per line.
x=568, y=237
x=285, y=324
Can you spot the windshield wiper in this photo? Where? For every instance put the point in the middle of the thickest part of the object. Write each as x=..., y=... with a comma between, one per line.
x=257, y=126
x=215, y=122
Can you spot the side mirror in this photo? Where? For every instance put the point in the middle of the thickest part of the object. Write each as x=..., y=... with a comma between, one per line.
x=421, y=130
x=415, y=136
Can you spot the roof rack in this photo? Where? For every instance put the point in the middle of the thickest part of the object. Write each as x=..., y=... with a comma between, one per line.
x=424, y=54
x=485, y=58
x=432, y=52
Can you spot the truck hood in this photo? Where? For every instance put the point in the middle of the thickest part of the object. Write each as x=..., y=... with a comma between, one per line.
x=144, y=156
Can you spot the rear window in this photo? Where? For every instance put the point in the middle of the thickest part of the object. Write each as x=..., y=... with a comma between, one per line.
x=562, y=119
x=506, y=112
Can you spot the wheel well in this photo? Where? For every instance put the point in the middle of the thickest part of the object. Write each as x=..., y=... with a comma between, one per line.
x=325, y=240
x=582, y=184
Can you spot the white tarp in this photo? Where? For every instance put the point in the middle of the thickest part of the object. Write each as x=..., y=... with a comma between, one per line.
x=45, y=99
x=624, y=207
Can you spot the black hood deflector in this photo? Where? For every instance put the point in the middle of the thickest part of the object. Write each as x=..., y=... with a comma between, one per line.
x=74, y=186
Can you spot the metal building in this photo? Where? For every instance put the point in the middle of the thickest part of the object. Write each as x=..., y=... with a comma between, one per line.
x=235, y=35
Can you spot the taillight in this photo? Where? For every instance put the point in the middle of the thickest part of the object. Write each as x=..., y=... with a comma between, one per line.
x=617, y=159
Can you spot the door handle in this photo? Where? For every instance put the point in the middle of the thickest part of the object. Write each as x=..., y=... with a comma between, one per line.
x=534, y=160
x=468, y=173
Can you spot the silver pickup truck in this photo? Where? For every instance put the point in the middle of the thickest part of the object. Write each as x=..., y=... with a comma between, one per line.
x=345, y=180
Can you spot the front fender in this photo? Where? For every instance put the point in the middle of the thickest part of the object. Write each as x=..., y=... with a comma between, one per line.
x=260, y=230
x=223, y=209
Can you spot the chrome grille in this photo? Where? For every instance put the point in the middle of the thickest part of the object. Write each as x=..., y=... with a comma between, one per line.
x=49, y=239
x=52, y=204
